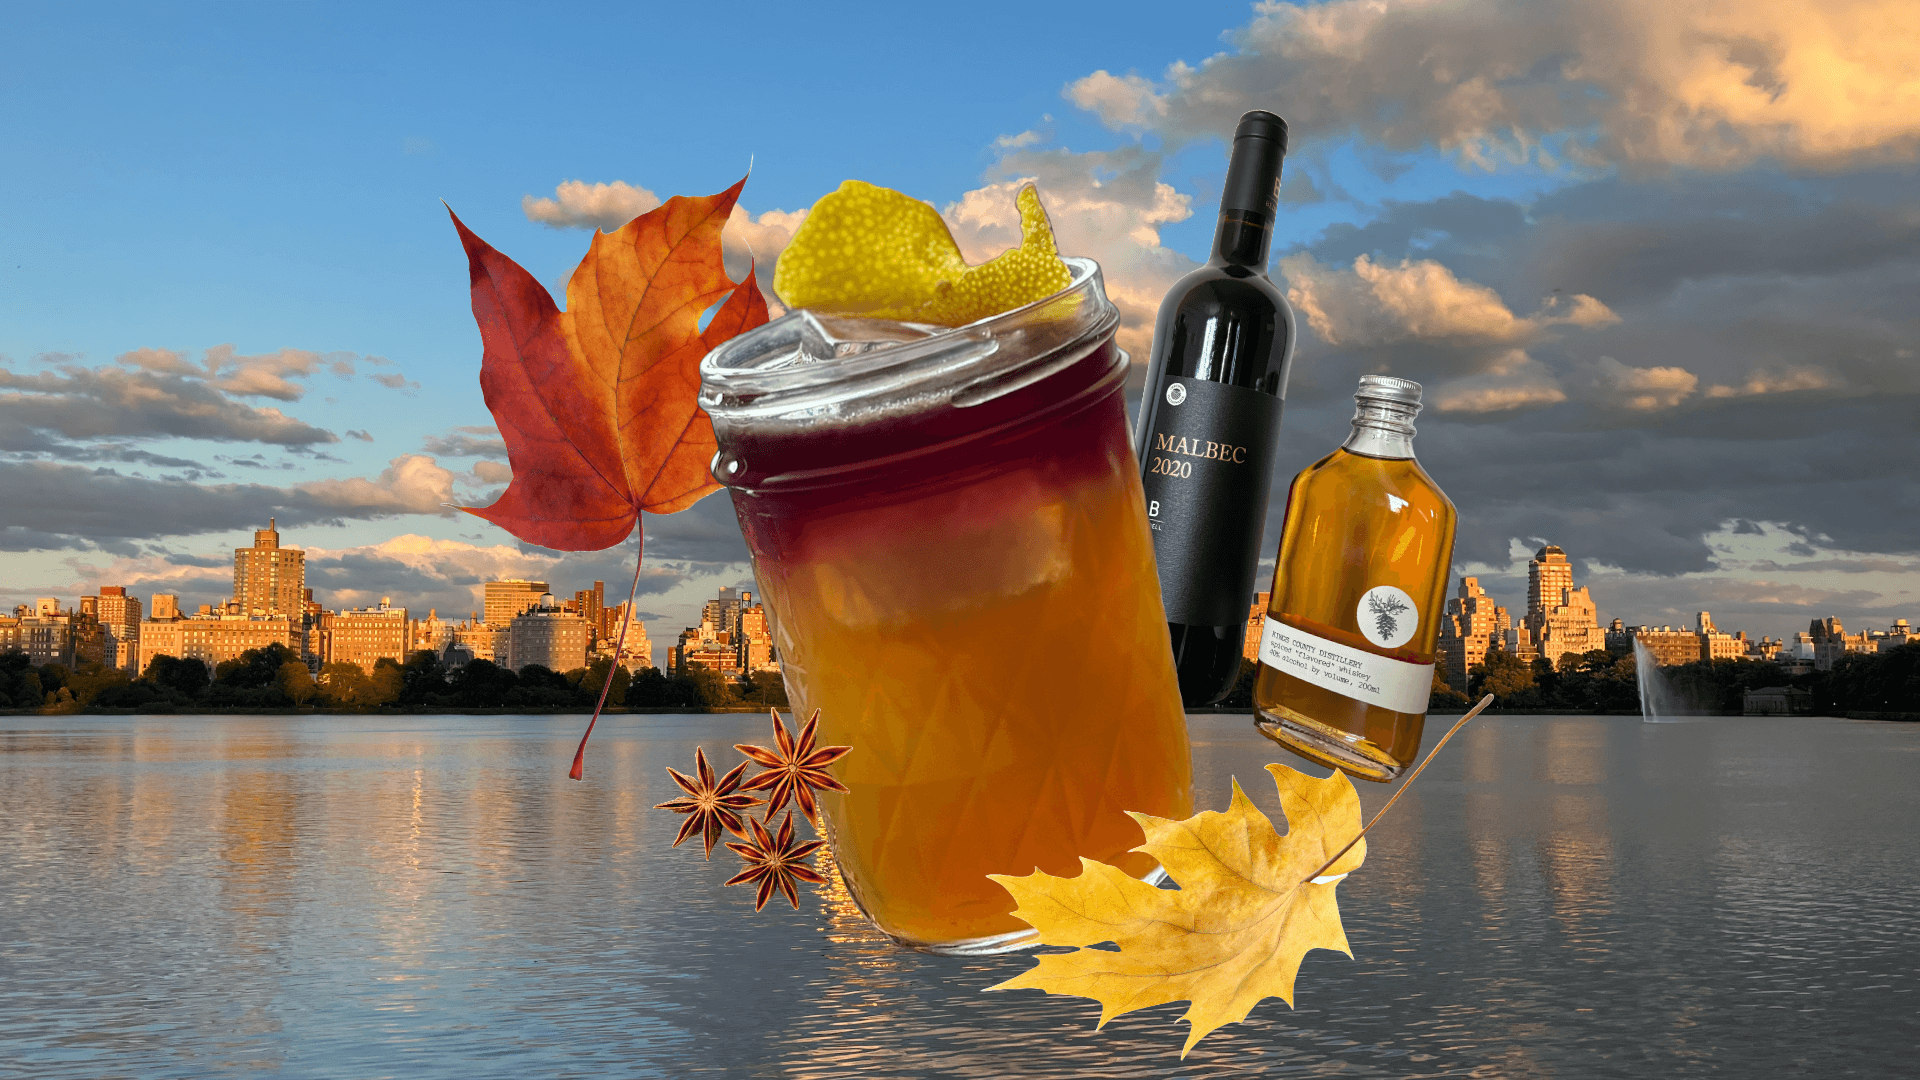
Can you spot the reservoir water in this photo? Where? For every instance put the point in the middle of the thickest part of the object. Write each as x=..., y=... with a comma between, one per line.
x=429, y=896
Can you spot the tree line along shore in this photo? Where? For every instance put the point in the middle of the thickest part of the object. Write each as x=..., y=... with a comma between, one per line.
x=274, y=679
x=1869, y=685
x=1873, y=685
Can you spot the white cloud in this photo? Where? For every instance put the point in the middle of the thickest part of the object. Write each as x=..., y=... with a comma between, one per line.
x=1119, y=100
x=580, y=205
x=1642, y=389
x=1512, y=380
x=1775, y=382
x=748, y=241
x=1648, y=83
x=157, y=392
x=410, y=484
x=1375, y=303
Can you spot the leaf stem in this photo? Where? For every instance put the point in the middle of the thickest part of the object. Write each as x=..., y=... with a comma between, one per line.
x=580, y=756
x=1411, y=777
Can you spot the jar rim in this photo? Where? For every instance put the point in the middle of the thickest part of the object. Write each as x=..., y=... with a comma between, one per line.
x=798, y=369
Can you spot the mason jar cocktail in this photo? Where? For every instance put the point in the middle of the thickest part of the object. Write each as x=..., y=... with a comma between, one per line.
x=948, y=529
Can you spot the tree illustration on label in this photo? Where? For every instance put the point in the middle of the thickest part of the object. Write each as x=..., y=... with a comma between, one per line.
x=1387, y=616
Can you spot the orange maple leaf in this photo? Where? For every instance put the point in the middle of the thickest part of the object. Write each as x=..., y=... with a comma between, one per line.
x=598, y=404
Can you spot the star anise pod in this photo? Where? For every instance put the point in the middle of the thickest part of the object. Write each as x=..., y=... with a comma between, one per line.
x=796, y=770
x=709, y=806
x=775, y=861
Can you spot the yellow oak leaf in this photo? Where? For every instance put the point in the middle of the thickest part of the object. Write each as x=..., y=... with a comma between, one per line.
x=1235, y=931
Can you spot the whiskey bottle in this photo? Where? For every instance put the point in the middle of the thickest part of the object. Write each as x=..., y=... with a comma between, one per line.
x=1209, y=423
x=1346, y=660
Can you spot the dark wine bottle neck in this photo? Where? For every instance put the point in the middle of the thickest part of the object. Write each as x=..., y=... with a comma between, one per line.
x=1251, y=196
x=1242, y=239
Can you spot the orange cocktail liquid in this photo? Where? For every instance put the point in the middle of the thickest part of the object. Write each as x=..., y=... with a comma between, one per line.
x=978, y=617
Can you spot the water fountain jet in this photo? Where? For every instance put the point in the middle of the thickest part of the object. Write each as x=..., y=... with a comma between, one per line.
x=1656, y=699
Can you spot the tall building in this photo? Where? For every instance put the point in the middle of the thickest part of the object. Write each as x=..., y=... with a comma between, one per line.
x=1548, y=572
x=1560, y=618
x=1571, y=626
x=508, y=598
x=1256, y=626
x=364, y=636
x=165, y=606
x=90, y=639
x=120, y=617
x=548, y=635
x=1471, y=625
x=591, y=604
x=268, y=578
x=753, y=638
x=46, y=636
x=636, y=650
x=719, y=614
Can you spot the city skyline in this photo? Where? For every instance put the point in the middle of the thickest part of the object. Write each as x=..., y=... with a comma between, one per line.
x=1660, y=298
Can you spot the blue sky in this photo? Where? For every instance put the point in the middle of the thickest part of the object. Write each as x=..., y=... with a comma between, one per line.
x=1701, y=433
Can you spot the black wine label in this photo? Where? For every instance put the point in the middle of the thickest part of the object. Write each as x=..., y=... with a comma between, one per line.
x=1206, y=466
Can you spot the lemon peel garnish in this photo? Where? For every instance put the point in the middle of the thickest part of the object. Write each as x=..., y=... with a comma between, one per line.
x=873, y=252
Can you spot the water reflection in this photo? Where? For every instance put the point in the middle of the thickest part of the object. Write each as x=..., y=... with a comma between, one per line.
x=430, y=896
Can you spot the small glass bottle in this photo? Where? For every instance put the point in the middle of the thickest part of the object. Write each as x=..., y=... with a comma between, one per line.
x=1346, y=659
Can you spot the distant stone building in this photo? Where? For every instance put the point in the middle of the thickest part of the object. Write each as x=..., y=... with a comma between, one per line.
x=120, y=618
x=1668, y=645
x=1831, y=641
x=165, y=606
x=431, y=634
x=217, y=638
x=1778, y=701
x=1471, y=624
x=1619, y=639
x=481, y=640
x=1716, y=644
x=1561, y=618
x=90, y=640
x=1901, y=633
x=1549, y=573
x=269, y=579
x=733, y=639
x=505, y=599
x=46, y=636
x=753, y=639
x=1256, y=626
x=699, y=648
x=364, y=636
x=591, y=604
x=635, y=649
x=548, y=635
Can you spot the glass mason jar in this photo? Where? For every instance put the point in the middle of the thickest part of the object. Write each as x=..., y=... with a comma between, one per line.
x=948, y=529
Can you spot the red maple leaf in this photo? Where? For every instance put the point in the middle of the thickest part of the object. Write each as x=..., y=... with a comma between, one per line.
x=598, y=404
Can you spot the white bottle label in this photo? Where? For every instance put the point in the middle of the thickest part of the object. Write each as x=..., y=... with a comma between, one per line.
x=1343, y=669
x=1387, y=616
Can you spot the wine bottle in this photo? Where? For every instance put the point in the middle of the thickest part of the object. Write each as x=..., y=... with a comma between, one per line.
x=1209, y=423
x=1346, y=659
